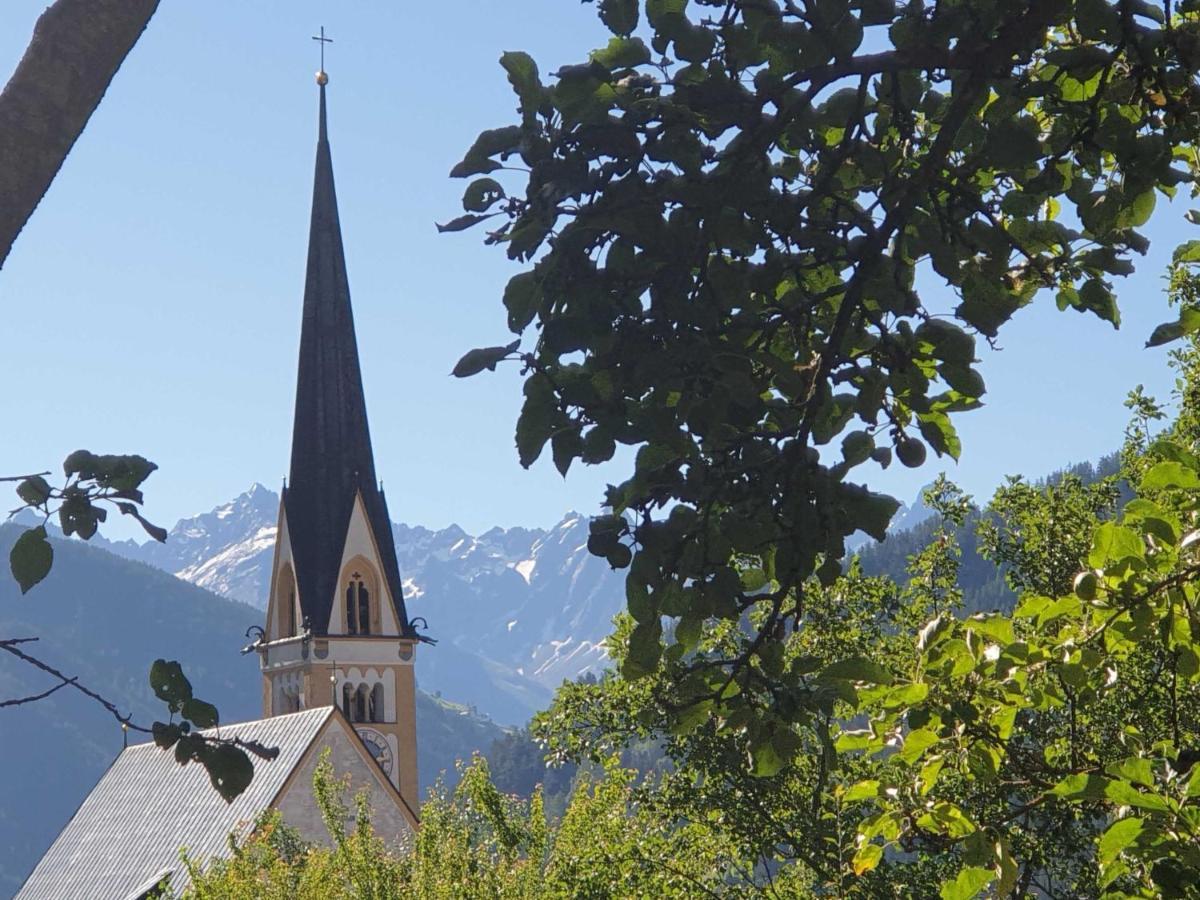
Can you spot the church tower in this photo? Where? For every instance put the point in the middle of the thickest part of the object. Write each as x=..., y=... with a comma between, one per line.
x=337, y=632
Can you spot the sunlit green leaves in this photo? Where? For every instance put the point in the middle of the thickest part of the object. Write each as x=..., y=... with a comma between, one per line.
x=1168, y=475
x=622, y=53
x=722, y=221
x=969, y=882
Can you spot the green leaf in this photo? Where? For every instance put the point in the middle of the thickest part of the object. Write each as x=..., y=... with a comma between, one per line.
x=81, y=461
x=1137, y=213
x=863, y=790
x=621, y=16
x=1096, y=297
x=200, y=714
x=1125, y=794
x=940, y=433
x=30, y=558
x=969, y=882
x=857, y=447
x=523, y=76
x=119, y=472
x=165, y=735
x=1119, y=835
x=475, y=361
x=622, y=53
x=461, y=223
x=948, y=819
x=1113, y=543
x=753, y=579
x=155, y=531
x=1081, y=787
x=916, y=743
x=868, y=511
x=858, y=668
x=538, y=420
x=489, y=143
x=1167, y=475
x=1187, y=252
x=522, y=296
x=639, y=602
x=169, y=683
x=481, y=194
x=947, y=341
x=1136, y=769
x=644, y=651
x=766, y=760
x=34, y=490
x=565, y=446
x=867, y=858
x=229, y=769
x=1188, y=323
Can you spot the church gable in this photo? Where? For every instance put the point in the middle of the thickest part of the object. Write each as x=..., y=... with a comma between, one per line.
x=391, y=815
x=363, y=603
x=284, y=616
x=128, y=832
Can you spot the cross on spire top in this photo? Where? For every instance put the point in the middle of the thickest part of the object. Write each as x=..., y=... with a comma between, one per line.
x=322, y=78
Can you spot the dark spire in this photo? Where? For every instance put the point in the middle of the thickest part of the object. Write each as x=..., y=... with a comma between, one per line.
x=331, y=442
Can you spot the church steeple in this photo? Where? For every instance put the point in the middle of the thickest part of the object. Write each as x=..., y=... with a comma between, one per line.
x=337, y=631
x=332, y=461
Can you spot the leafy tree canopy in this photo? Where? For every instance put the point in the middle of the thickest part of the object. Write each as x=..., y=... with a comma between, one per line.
x=727, y=217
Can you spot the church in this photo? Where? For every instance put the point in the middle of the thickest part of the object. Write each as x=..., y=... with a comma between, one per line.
x=337, y=648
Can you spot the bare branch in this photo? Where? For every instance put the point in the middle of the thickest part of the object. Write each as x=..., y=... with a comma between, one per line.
x=34, y=697
x=10, y=646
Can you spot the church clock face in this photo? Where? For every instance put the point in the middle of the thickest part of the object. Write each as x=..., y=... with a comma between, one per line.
x=378, y=746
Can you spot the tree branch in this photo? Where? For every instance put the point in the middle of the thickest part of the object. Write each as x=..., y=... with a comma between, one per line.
x=34, y=697
x=10, y=646
x=76, y=49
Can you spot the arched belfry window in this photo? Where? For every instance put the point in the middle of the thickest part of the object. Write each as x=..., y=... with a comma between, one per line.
x=376, y=710
x=358, y=605
x=360, y=704
x=348, y=701
x=287, y=602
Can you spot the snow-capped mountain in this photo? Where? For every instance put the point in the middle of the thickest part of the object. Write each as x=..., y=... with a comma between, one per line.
x=515, y=611
x=227, y=551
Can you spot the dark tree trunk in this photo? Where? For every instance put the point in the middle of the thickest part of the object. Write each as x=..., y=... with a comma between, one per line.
x=77, y=47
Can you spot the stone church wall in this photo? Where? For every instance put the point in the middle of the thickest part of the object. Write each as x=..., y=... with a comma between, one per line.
x=299, y=808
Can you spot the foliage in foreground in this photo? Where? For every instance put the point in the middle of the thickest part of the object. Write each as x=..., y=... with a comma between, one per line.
x=729, y=218
x=96, y=483
x=1049, y=751
x=474, y=842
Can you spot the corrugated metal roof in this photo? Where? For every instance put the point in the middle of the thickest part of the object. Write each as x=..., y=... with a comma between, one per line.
x=146, y=806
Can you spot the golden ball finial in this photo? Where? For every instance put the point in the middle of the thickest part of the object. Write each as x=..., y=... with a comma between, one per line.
x=322, y=78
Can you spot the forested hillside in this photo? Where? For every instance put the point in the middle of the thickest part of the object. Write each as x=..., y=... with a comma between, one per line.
x=983, y=585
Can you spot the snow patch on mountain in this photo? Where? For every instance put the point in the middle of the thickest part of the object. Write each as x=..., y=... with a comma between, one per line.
x=516, y=611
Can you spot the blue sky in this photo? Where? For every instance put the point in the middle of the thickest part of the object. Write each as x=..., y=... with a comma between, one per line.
x=153, y=302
